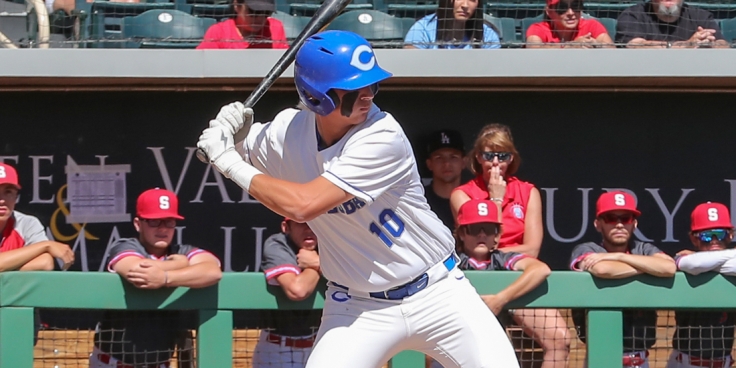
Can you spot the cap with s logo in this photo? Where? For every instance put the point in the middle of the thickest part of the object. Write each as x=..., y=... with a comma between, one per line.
x=710, y=215
x=8, y=175
x=616, y=201
x=477, y=210
x=158, y=204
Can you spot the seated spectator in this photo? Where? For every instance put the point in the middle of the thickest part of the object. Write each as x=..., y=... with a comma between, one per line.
x=668, y=24
x=702, y=338
x=152, y=261
x=478, y=232
x=446, y=161
x=69, y=5
x=24, y=245
x=564, y=26
x=619, y=256
x=290, y=260
x=251, y=27
x=495, y=162
x=457, y=24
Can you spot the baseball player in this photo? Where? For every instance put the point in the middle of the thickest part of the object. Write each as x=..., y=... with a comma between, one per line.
x=147, y=339
x=619, y=256
x=24, y=245
x=705, y=339
x=347, y=168
x=290, y=260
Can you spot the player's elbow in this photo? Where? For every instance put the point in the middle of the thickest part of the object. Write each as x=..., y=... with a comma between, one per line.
x=298, y=293
x=210, y=277
x=667, y=270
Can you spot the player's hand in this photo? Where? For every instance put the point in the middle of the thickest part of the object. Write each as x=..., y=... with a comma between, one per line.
x=218, y=145
x=146, y=275
x=306, y=258
x=234, y=117
x=685, y=252
x=591, y=260
x=496, y=183
x=494, y=303
x=176, y=261
x=62, y=252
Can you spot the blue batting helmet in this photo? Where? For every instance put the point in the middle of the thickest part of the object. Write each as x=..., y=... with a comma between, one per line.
x=334, y=59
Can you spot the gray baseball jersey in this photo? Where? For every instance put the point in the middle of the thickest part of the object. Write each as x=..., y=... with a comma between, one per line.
x=639, y=325
x=142, y=337
x=279, y=257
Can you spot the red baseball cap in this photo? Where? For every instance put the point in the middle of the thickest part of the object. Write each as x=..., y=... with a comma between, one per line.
x=552, y=2
x=710, y=215
x=8, y=175
x=616, y=201
x=477, y=210
x=158, y=204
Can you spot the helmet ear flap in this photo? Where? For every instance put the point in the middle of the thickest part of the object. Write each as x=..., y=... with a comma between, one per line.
x=333, y=96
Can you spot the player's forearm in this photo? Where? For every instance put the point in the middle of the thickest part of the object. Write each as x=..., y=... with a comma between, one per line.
x=44, y=262
x=532, y=276
x=613, y=270
x=13, y=260
x=698, y=263
x=531, y=250
x=195, y=276
x=303, y=285
x=654, y=266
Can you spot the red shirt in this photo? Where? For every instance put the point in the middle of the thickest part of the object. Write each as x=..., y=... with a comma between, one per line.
x=225, y=35
x=513, y=209
x=544, y=31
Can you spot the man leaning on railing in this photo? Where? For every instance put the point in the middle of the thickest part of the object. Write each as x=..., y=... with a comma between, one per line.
x=619, y=256
x=147, y=339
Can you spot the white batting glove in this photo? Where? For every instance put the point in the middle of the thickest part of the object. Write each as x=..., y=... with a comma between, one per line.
x=217, y=143
x=234, y=117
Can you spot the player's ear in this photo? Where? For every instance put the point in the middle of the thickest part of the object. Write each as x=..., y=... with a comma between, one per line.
x=285, y=226
x=694, y=239
x=597, y=225
x=636, y=223
x=137, y=224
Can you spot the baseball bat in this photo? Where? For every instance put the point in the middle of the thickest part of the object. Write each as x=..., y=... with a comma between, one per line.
x=321, y=19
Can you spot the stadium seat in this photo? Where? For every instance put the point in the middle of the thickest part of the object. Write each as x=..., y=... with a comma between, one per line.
x=728, y=28
x=607, y=9
x=527, y=22
x=506, y=28
x=214, y=11
x=293, y=25
x=106, y=19
x=610, y=25
x=515, y=10
x=406, y=8
x=309, y=7
x=164, y=29
x=719, y=9
x=381, y=29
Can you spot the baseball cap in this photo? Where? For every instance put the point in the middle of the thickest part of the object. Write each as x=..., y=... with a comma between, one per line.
x=710, y=215
x=616, y=201
x=477, y=210
x=8, y=175
x=158, y=204
x=261, y=5
x=445, y=139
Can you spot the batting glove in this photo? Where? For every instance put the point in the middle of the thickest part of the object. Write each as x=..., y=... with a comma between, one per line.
x=234, y=117
x=217, y=143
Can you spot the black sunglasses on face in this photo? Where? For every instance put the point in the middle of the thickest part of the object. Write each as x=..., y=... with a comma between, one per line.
x=561, y=7
x=169, y=223
x=488, y=228
x=502, y=156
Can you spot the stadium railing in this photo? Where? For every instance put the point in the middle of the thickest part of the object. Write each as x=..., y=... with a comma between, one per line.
x=21, y=292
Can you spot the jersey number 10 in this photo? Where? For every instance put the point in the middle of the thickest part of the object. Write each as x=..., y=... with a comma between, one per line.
x=391, y=223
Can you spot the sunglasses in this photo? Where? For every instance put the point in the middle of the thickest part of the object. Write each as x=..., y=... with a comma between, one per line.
x=561, y=7
x=707, y=236
x=615, y=219
x=168, y=223
x=488, y=229
x=502, y=156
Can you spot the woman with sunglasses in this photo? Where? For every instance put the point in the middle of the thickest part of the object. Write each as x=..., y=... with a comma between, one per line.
x=705, y=339
x=457, y=24
x=563, y=26
x=495, y=162
x=250, y=27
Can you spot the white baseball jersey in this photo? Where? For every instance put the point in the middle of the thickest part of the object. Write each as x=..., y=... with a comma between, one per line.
x=386, y=235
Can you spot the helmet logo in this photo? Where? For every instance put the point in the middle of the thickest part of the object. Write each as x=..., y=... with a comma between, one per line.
x=356, y=62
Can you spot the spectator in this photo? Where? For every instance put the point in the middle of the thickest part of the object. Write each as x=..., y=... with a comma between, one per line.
x=478, y=232
x=24, y=245
x=619, y=256
x=251, y=27
x=457, y=24
x=705, y=339
x=495, y=161
x=668, y=24
x=68, y=6
x=564, y=26
x=446, y=160
x=290, y=260
x=149, y=338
